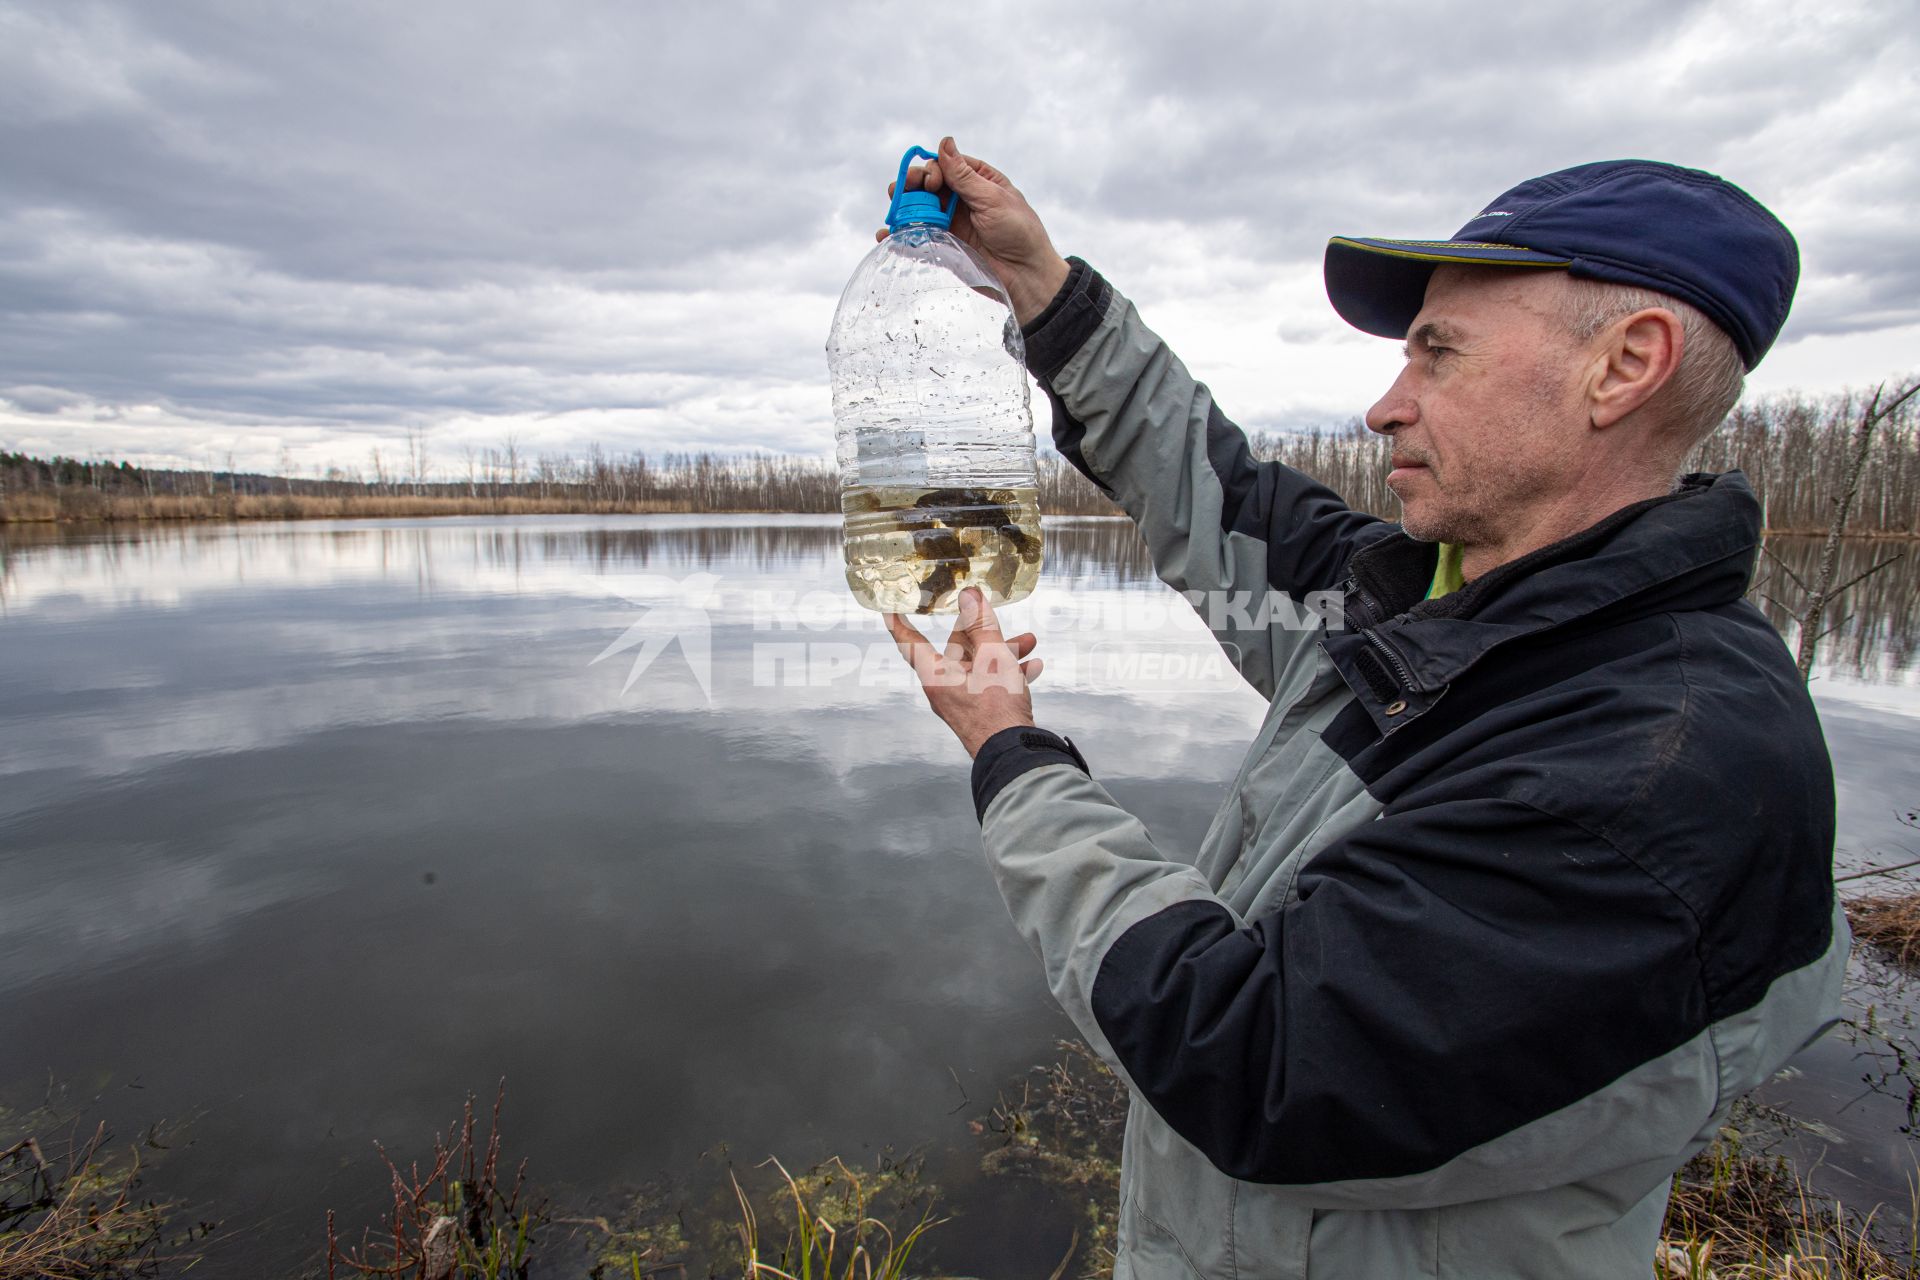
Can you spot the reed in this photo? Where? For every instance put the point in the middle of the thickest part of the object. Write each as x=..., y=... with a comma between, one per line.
x=1064, y=1130
x=1737, y=1215
x=79, y=1214
x=1891, y=923
x=460, y=1217
x=831, y=1233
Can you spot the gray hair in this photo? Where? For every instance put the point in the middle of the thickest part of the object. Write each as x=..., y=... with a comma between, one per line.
x=1711, y=376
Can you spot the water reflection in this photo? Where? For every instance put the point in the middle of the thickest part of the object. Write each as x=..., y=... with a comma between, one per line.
x=1874, y=626
x=234, y=756
x=671, y=915
x=152, y=564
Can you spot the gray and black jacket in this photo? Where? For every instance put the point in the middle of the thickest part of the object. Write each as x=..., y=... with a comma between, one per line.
x=1516, y=892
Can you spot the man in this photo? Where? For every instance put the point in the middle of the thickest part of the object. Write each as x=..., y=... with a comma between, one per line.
x=1527, y=875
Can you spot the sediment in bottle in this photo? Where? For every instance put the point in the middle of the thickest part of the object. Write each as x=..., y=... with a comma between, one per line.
x=911, y=550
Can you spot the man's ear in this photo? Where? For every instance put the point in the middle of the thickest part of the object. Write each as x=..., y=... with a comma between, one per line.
x=1636, y=356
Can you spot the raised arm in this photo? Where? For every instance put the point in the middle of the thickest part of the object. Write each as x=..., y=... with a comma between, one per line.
x=1223, y=529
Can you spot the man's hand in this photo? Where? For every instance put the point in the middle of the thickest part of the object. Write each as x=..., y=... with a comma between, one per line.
x=979, y=686
x=997, y=222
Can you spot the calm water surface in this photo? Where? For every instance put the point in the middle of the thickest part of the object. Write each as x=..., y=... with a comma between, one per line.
x=309, y=829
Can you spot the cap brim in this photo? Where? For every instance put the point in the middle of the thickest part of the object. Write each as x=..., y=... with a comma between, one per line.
x=1379, y=286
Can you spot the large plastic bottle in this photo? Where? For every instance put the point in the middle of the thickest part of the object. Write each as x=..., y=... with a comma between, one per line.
x=935, y=432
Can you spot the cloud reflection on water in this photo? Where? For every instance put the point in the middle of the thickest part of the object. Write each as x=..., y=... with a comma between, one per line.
x=233, y=754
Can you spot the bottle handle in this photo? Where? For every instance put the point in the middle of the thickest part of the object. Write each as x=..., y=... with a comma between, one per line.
x=913, y=153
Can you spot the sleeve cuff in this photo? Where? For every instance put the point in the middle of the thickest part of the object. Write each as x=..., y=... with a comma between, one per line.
x=1069, y=320
x=1014, y=751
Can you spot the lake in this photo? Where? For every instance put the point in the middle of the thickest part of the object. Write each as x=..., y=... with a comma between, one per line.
x=308, y=830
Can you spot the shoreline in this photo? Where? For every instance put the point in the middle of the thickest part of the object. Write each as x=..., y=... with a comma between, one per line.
x=279, y=509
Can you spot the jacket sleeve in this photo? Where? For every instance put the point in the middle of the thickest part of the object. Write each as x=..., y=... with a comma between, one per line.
x=1222, y=529
x=1466, y=999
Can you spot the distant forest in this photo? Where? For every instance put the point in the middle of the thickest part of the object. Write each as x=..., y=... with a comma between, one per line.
x=1795, y=450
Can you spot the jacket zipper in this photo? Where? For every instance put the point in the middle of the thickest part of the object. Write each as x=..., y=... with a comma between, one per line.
x=1378, y=641
x=1399, y=667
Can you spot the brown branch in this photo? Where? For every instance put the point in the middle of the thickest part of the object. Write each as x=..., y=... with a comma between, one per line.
x=1823, y=592
x=1858, y=578
x=1784, y=567
x=1877, y=871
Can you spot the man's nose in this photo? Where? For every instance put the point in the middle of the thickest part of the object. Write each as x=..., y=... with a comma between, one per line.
x=1398, y=408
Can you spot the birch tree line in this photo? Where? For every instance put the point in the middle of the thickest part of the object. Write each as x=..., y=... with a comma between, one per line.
x=1798, y=451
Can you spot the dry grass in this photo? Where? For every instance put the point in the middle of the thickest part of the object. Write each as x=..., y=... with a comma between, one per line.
x=78, y=1215
x=29, y=508
x=1736, y=1215
x=1890, y=923
x=1064, y=1130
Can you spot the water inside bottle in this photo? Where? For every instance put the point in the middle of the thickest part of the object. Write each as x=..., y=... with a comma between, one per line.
x=911, y=550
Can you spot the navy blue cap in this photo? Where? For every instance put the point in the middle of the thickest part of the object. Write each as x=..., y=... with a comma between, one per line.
x=1633, y=222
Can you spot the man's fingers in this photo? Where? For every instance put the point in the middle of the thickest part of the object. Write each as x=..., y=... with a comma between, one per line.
x=965, y=174
x=960, y=644
x=990, y=173
x=993, y=663
x=1032, y=668
x=913, y=647
x=977, y=620
x=968, y=176
x=923, y=177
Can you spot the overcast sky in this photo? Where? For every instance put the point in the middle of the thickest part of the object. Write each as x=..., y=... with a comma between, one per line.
x=237, y=228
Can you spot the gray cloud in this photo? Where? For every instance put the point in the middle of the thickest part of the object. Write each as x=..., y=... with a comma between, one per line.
x=231, y=227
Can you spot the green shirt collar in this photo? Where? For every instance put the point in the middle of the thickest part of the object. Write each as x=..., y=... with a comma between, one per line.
x=1446, y=572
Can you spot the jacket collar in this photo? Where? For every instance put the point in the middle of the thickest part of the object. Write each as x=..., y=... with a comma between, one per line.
x=1693, y=548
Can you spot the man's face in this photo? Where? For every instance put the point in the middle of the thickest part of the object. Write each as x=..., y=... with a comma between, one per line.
x=1485, y=415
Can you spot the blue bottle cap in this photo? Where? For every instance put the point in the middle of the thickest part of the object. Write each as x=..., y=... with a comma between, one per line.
x=918, y=208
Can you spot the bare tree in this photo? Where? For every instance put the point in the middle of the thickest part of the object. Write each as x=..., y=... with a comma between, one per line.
x=417, y=463
x=513, y=463
x=1821, y=594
